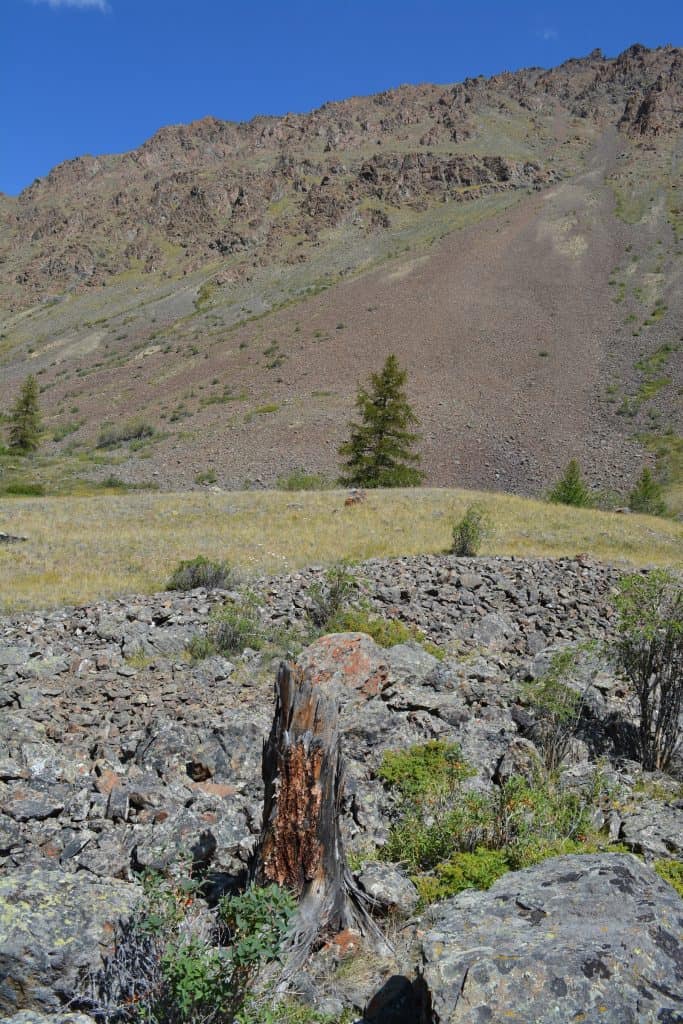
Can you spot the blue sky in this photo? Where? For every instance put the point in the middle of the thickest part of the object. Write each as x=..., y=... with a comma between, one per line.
x=98, y=76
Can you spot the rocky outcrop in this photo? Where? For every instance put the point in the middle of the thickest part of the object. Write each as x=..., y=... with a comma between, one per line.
x=592, y=938
x=196, y=187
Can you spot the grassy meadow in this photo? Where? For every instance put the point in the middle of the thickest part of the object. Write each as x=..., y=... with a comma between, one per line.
x=83, y=548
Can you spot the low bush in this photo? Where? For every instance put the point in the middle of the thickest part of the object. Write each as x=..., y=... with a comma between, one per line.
x=451, y=838
x=470, y=532
x=24, y=489
x=385, y=632
x=201, y=572
x=208, y=476
x=330, y=597
x=426, y=770
x=134, y=430
x=175, y=962
x=302, y=480
x=557, y=707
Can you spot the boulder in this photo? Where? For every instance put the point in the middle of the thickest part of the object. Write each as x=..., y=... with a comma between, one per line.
x=575, y=938
x=53, y=925
x=654, y=830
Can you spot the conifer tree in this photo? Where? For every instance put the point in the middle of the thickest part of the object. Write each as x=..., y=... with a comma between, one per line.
x=571, y=488
x=379, y=452
x=646, y=496
x=24, y=430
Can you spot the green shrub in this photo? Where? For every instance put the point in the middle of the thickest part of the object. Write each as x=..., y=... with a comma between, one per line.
x=385, y=632
x=649, y=651
x=646, y=496
x=477, y=870
x=64, y=429
x=329, y=597
x=174, y=963
x=672, y=872
x=557, y=707
x=257, y=921
x=201, y=572
x=470, y=531
x=302, y=480
x=571, y=488
x=425, y=770
x=236, y=626
x=24, y=489
x=208, y=476
x=133, y=430
x=450, y=838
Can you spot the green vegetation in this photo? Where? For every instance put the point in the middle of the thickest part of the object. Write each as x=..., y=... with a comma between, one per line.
x=647, y=495
x=201, y=572
x=649, y=651
x=672, y=872
x=207, y=476
x=379, y=452
x=431, y=769
x=470, y=531
x=134, y=430
x=239, y=625
x=186, y=971
x=24, y=419
x=64, y=429
x=557, y=707
x=329, y=598
x=22, y=489
x=301, y=480
x=571, y=489
x=385, y=632
x=452, y=838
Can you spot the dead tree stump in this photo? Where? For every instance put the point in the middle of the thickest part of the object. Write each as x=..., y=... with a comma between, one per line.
x=301, y=846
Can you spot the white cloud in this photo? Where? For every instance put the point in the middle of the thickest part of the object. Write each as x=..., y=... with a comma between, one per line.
x=84, y=5
x=549, y=33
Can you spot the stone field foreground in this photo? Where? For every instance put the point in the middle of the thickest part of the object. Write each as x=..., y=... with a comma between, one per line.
x=118, y=754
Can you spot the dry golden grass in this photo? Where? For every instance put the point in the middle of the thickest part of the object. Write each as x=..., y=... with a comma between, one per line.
x=80, y=549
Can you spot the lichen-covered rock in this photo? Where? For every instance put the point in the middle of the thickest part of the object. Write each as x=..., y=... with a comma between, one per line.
x=63, y=1017
x=654, y=830
x=52, y=926
x=390, y=887
x=574, y=938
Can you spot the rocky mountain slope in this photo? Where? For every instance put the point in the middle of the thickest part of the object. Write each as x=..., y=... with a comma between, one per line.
x=516, y=240
x=119, y=755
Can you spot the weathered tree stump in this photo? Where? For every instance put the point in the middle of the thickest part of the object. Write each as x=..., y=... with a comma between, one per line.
x=301, y=846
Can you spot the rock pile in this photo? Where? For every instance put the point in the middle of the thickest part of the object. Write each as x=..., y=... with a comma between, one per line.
x=118, y=754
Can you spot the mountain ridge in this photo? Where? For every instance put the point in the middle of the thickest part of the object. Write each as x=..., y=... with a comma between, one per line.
x=493, y=225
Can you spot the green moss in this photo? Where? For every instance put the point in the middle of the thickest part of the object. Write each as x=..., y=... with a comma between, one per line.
x=672, y=872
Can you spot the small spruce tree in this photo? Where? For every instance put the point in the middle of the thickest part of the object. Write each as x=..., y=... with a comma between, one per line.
x=571, y=488
x=24, y=418
x=646, y=496
x=379, y=452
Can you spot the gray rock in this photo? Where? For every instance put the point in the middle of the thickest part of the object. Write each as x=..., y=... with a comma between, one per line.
x=52, y=925
x=33, y=1017
x=390, y=887
x=591, y=938
x=493, y=630
x=655, y=830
